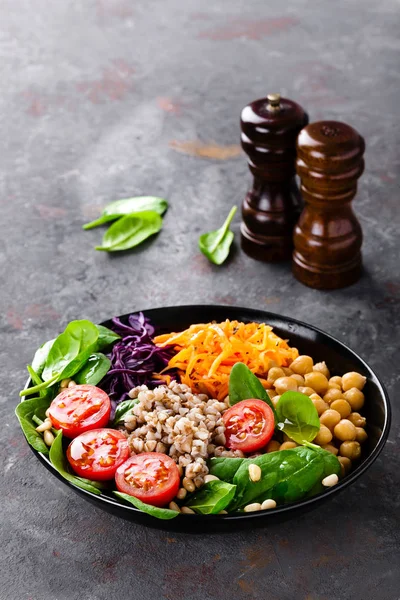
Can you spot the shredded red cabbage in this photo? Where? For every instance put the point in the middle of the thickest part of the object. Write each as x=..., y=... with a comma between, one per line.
x=134, y=359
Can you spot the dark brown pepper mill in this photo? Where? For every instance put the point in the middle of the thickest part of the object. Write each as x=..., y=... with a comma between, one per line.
x=328, y=237
x=272, y=206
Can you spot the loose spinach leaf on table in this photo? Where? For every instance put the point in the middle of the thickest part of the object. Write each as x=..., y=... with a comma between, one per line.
x=106, y=338
x=297, y=417
x=130, y=231
x=60, y=463
x=286, y=475
x=127, y=206
x=154, y=511
x=215, y=245
x=243, y=384
x=24, y=412
x=93, y=371
x=122, y=410
x=213, y=497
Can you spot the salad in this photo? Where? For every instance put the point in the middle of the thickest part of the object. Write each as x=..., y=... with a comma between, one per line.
x=219, y=418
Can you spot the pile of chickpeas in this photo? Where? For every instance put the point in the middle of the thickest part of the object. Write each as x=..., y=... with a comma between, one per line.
x=338, y=401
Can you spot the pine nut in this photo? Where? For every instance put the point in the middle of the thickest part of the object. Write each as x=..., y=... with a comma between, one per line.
x=71, y=384
x=208, y=478
x=48, y=438
x=268, y=504
x=174, y=506
x=181, y=495
x=45, y=426
x=223, y=512
x=187, y=511
x=330, y=480
x=65, y=383
x=252, y=507
x=47, y=413
x=188, y=484
x=254, y=472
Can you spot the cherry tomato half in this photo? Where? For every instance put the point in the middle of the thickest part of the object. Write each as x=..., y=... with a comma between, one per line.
x=97, y=454
x=151, y=476
x=249, y=425
x=80, y=408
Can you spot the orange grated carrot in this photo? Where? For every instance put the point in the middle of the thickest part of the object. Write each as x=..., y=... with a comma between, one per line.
x=206, y=352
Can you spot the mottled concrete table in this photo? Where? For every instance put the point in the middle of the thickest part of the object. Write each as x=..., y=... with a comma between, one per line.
x=109, y=98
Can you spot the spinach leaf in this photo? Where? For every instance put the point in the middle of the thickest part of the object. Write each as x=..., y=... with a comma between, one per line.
x=243, y=384
x=154, y=511
x=117, y=209
x=297, y=417
x=122, y=409
x=286, y=475
x=60, y=463
x=39, y=360
x=94, y=369
x=106, y=338
x=24, y=413
x=213, y=497
x=131, y=230
x=216, y=244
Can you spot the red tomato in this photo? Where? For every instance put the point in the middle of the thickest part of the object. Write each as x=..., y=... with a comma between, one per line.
x=96, y=454
x=249, y=425
x=151, y=476
x=79, y=409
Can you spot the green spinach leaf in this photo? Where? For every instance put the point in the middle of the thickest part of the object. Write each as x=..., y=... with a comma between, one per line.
x=216, y=244
x=297, y=417
x=122, y=409
x=39, y=360
x=106, y=338
x=60, y=463
x=130, y=231
x=243, y=384
x=213, y=497
x=154, y=511
x=225, y=468
x=94, y=369
x=24, y=413
x=119, y=208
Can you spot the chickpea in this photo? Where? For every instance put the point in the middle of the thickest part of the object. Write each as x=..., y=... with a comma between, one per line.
x=275, y=400
x=335, y=382
x=333, y=394
x=353, y=379
x=351, y=450
x=355, y=398
x=317, y=381
x=330, y=418
x=323, y=437
x=345, y=464
x=357, y=419
x=345, y=431
x=342, y=406
x=330, y=448
x=288, y=372
x=288, y=445
x=272, y=363
x=271, y=393
x=361, y=435
x=273, y=446
x=274, y=374
x=306, y=390
x=302, y=364
x=322, y=368
x=319, y=404
x=284, y=384
x=298, y=378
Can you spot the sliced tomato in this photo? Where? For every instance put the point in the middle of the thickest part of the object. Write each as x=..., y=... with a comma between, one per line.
x=80, y=408
x=97, y=454
x=152, y=477
x=249, y=425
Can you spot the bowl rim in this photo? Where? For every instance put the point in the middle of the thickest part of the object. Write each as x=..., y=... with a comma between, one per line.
x=279, y=510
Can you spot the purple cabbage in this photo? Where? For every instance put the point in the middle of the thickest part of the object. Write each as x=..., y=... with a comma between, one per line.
x=134, y=359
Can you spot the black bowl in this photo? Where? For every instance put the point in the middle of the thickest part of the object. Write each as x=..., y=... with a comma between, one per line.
x=308, y=340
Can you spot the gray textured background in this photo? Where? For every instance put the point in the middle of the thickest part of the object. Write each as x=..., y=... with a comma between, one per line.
x=92, y=95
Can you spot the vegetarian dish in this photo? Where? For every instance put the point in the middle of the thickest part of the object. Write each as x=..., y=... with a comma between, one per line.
x=220, y=418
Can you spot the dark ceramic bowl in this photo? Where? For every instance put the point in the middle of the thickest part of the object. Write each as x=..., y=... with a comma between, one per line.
x=308, y=340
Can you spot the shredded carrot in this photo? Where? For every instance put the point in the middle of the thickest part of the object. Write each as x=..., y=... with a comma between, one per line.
x=206, y=352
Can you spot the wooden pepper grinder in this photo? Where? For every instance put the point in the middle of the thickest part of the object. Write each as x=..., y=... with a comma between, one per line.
x=271, y=208
x=328, y=237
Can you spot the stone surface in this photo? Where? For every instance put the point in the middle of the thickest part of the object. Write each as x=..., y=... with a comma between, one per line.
x=96, y=99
